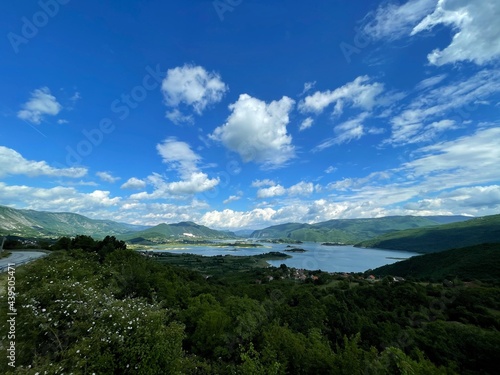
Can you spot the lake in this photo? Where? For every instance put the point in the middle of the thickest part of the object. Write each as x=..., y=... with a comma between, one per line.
x=325, y=258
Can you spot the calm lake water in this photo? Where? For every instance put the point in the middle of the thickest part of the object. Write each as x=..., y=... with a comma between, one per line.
x=325, y=258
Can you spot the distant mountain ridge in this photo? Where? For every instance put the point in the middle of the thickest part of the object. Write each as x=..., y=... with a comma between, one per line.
x=31, y=223
x=185, y=230
x=447, y=236
x=351, y=231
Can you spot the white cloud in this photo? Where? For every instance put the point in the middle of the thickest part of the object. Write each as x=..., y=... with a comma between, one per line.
x=272, y=191
x=134, y=183
x=177, y=117
x=232, y=198
x=456, y=100
x=301, y=188
x=330, y=169
x=180, y=158
x=62, y=121
x=308, y=86
x=13, y=163
x=257, y=131
x=359, y=93
x=261, y=183
x=345, y=132
x=476, y=26
x=57, y=199
x=392, y=21
x=444, y=164
x=107, y=177
x=41, y=103
x=430, y=82
x=306, y=124
x=192, y=86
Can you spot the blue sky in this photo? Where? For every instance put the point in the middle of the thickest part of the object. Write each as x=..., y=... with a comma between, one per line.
x=244, y=114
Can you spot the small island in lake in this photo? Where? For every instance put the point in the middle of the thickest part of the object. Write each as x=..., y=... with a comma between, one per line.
x=334, y=244
x=295, y=250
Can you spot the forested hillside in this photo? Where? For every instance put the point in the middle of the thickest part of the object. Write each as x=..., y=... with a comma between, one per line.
x=480, y=262
x=448, y=236
x=104, y=309
x=350, y=231
x=31, y=223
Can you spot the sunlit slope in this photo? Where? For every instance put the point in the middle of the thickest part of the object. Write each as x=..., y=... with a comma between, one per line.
x=350, y=231
x=30, y=223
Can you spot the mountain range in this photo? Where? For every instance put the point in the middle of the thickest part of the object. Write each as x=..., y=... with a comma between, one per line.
x=412, y=233
x=31, y=223
x=351, y=231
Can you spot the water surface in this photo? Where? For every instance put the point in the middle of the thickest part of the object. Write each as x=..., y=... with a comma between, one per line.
x=325, y=258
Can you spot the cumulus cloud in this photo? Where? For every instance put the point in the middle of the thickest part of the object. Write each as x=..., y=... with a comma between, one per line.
x=257, y=131
x=134, y=183
x=272, y=191
x=182, y=159
x=13, y=163
x=107, y=177
x=360, y=93
x=192, y=86
x=301, y=188
x=476, y=27
x=261, y=183
x=58, y=198
x=41, y=103
x=179, y=156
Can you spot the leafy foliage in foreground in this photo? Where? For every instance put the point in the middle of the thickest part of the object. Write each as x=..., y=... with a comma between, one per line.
x=481, y=262
x=122, y=313
x=443, y=237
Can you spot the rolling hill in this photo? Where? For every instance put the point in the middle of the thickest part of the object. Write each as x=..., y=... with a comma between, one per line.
x=480, y=262
x=350, y=231
x=30, y=223
x=186, y=230
x=447, y=236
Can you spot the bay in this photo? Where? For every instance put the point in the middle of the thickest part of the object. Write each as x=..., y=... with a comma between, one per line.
x=316, y=257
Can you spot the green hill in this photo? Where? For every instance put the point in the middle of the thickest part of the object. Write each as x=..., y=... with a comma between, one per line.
x=480, y=262
x=185, y=230
x=439, y=238
x=31, y=223
x=350, y=231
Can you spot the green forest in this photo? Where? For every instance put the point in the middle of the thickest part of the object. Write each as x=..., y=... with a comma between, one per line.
x=96, y=307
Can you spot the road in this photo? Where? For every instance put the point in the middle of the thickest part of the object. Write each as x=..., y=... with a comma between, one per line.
x=20, y=257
